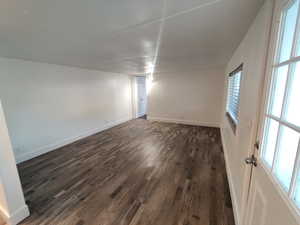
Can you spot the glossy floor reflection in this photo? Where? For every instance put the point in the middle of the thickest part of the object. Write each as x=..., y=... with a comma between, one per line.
x=139, y=172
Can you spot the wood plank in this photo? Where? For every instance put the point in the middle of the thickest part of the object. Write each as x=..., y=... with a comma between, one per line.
x=137, y=173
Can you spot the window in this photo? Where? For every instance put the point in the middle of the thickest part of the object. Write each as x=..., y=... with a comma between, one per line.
x=280, y=144
x=233, y=96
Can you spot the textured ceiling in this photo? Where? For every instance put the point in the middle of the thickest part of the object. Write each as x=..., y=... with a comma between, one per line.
x=126, y=36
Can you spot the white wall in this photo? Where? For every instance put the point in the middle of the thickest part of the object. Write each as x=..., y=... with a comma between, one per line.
x=47, y=106
x=188, y=97
x=252, y=52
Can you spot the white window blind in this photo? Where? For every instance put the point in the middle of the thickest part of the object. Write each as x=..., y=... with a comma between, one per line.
x=233, y=95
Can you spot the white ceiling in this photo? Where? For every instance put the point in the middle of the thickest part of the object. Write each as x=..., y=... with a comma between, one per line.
x=126, y=36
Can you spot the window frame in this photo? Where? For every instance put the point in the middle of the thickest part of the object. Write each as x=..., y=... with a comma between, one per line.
x=234, y=121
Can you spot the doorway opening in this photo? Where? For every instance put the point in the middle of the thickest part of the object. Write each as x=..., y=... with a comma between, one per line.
x=141, y=97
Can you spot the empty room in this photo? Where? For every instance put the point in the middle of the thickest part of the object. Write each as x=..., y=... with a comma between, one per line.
x=140, y=112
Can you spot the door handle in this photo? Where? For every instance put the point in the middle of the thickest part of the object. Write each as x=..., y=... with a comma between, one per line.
x=251, y=161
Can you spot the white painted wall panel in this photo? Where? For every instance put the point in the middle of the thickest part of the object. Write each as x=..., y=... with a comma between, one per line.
x=190, y=97
x=50, y=105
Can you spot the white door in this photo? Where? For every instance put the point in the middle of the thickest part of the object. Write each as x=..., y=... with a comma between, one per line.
x=141, y=96
x=274, y=197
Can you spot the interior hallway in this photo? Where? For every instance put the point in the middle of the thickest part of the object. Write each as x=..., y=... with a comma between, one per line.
x=139, y=172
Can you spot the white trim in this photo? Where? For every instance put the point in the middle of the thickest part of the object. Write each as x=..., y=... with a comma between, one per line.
x=47, y=148
x=187, y=122
x=16, y=216
x=232, y=189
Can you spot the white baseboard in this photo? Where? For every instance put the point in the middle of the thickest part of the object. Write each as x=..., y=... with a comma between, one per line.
x=44, y=149
x=230, y=181
x=16, y=216
x=187, y=122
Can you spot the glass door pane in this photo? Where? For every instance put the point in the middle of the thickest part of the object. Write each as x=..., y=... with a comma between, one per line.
x=292, y=114
x=289, y=26
x=285, y=160
x=278, y=89
x=269, y=142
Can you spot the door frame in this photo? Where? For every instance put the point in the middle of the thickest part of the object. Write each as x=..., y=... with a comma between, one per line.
x=273, y=43
x=134, y=93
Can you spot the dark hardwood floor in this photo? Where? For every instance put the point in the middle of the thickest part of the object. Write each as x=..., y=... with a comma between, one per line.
x=138, y=173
